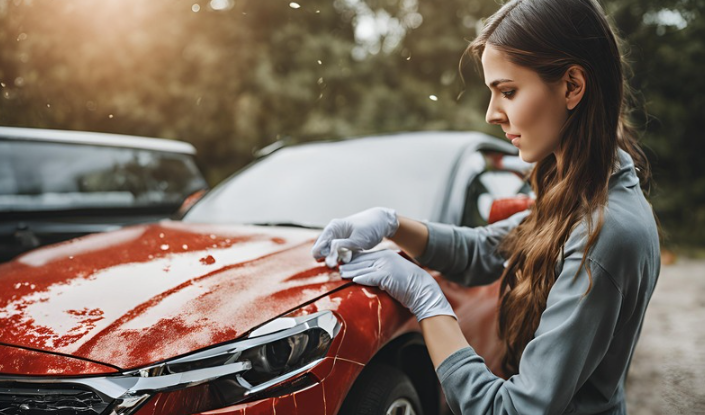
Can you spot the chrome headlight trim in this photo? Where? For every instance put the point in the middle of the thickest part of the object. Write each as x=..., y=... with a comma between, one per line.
x=130, y=389
x=274, y=330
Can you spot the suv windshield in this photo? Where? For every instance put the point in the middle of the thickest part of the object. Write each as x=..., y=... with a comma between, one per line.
x=41, y=176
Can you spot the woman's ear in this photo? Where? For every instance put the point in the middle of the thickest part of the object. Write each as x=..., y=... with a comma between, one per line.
x=574, y=80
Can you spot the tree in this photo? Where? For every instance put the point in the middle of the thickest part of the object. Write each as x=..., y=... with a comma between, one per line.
x=230, y=76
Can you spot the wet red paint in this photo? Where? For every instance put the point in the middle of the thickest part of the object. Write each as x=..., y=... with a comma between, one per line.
x=309, y=309
x=17, y=361
x=180, y=402
x=251, y=408
x=338, y=384
x=214, y=327
x=308, y=401
x=78, y=259
x=377, y=318
x=208, y=260
x=85, y=312
x=16, y=327
x=217, y=313
x=315, y=272
x=285, y=405
x=323, y=369
x=214, y=307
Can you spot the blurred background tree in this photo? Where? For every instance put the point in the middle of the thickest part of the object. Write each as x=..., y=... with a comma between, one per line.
x=230, y=76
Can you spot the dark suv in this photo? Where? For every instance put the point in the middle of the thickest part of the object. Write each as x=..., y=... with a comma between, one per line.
x=57, y=185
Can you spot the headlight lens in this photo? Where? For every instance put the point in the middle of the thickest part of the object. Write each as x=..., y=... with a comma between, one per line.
x=282, y=356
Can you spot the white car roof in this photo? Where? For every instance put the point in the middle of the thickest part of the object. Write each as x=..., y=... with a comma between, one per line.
x=415, y=141
x=93, y=138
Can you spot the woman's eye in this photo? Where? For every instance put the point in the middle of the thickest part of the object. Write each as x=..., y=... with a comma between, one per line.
x=509, y=93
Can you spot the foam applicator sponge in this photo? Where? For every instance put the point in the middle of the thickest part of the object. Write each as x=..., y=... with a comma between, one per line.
x=343, y=255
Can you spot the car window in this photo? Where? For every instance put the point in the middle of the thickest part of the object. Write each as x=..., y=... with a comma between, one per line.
x=484, y=189
x=48, y=176
x=314, y=183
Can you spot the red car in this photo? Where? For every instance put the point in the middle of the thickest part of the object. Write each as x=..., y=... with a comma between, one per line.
x=227, y=312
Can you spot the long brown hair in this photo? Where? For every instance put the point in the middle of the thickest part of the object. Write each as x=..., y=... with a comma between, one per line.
x=549, y=36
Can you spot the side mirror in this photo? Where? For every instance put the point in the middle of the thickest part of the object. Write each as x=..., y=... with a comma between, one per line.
x=506, y=207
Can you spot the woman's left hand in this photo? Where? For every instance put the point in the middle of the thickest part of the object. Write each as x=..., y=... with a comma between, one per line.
x=405, y=281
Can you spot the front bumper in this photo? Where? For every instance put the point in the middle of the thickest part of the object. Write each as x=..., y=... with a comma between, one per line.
x=318, y=388
x=323, y=397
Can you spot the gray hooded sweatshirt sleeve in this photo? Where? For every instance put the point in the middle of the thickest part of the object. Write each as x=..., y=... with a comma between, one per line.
x=579, y=357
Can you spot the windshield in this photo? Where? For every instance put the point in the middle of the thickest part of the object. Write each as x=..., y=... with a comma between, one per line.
x=41, y=176
x=314, y=183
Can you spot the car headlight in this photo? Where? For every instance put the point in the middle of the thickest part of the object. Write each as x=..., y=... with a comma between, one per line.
x=271, y=355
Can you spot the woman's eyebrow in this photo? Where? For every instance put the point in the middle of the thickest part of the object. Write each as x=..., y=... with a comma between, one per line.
x=498, y=81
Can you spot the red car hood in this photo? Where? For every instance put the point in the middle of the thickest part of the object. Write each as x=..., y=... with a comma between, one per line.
x=146, y=293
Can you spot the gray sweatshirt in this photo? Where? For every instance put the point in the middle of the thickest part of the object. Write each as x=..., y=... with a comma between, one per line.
x=578, y=360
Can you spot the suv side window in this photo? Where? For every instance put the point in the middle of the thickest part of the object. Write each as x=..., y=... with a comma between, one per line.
x=484, y=188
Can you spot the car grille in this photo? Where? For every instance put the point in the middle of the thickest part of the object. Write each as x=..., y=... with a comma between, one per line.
x=38, y=399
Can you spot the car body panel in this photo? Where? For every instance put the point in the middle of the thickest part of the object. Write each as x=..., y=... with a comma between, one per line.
x=232, y=278
x=19, y=361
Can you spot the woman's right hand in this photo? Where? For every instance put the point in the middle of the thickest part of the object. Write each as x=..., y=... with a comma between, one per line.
x=363, y=230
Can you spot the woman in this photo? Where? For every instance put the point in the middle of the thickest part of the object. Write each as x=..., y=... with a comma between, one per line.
x=577, y=270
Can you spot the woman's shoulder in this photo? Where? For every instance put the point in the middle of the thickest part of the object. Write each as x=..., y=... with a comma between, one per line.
x=628, y=242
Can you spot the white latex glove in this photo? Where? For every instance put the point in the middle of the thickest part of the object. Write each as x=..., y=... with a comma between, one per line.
x=363, y=230
x=408, y=283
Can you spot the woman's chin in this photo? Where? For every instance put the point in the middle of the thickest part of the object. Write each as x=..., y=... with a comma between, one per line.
x=530, y=157
x=525, y=157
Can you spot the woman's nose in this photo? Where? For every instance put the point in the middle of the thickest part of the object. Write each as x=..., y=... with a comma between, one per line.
x=494, y=114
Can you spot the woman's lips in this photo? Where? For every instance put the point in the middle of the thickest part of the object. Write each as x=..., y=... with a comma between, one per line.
x=513, y=138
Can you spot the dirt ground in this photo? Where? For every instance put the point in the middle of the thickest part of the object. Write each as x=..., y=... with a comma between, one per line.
x=667, y=374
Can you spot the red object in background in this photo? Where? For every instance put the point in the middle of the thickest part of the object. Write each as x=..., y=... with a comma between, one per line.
x=506, y=207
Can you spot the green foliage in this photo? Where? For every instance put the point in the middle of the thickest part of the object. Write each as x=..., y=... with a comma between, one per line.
x=667, y=52
x=230, y=76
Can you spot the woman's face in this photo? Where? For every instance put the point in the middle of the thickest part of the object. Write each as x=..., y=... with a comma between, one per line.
x=530, y=111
